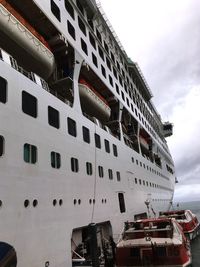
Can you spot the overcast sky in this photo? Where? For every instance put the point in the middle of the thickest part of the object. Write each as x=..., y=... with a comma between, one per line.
x=163, y=36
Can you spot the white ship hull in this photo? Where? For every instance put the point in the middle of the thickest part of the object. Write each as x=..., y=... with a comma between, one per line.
x=60, y=202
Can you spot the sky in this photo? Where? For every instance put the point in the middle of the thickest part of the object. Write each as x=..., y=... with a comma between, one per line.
x=163, y=36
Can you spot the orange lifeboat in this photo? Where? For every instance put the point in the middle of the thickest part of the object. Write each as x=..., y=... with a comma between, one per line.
x=92, y=102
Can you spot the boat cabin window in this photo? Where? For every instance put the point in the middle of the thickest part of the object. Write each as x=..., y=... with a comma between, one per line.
x=80, y=7
x=55, y=10
x=107, y=145
x=121, y=202
x=101, y=53
x=71, y=30
x=108, y=63
x=117, y=88
x=106, y=47
x=86, y=134
x=100, y=169
x=92, y=40
x=84, y=46
x=3, y=90
x=115, y=150
x=118, y=176
x=103, y=71
x=71, y=127
x=29, y=104
x=111, y=80
x=74, y=165
x=53, y=117
x=97, y=140
x=81, y=26
x=89, y=168
x=94, y=60
x=99, y=35
x=55, y=160
x=110, y=174
x=69, y=8
x=1, y=145
x=30, y=153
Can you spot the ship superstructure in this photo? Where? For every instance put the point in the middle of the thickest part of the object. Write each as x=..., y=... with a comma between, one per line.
x=82, y=147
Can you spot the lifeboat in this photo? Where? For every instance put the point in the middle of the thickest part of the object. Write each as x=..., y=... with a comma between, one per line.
x=23, y=42
x=153, y=242
x=144, y=142
x=187, y=220
x=92, y=102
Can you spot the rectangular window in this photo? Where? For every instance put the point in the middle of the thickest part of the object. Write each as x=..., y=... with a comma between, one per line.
x=86, y=134
x=29, y=104
x=115, y=73
x=108, y=63
x=71, y=30
x=55, y=10
x=1, y=145
x=3, y=90
x=69, y=8
x=89, y=168
x=97, y=140
x=71, y=124
x=118, y=176
x=103, y=71
x=122, y=93
x=107, y=145
x=110, y=174
x=30, y=153
x=111, y=80
x=115, y=150
x=112, y=56
x=53, y=117
x=81, y=25
x=117, y=88
x=120, y=81
x=100, y=169
x=101, y=53
x=92, y=40
x=106, y=47
x=90, y=22
x=94, y=60
x=55, y=160
x=121, y=202
x=80, y=7
x=74, y=165
x=84, y=46
x=99, y=35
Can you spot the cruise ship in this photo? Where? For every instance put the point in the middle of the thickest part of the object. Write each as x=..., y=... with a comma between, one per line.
x=82, y=147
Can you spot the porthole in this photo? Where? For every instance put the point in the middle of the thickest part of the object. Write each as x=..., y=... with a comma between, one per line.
x=26, y=203
x=75, y=201
x=102, y=200
x=54, y=202
x=35, y=202
x=79, y=201
x=47, y=264
x=60, y=202
x=1, y=203
x=93, y=201
x=90, y=201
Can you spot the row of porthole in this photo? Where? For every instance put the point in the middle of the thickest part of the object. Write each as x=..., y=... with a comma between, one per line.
x=27, y=202
x=35, y=202
x=91, y=201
